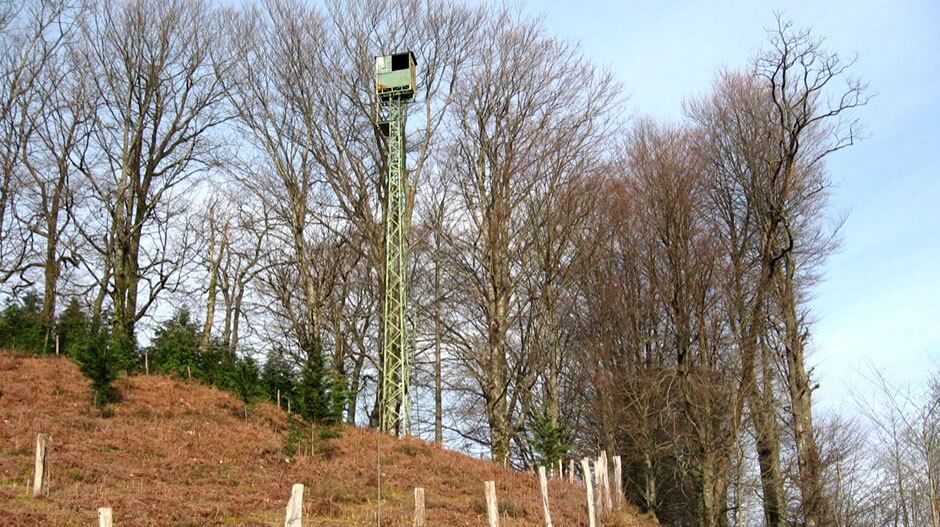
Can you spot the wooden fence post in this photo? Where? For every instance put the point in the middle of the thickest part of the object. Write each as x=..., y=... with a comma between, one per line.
x=57, y=344
x=278, y=398
x=146, y=362
x=618, y=481
x=543, y=486
x=419, y=508
x=105, y=517
x=295, y=507
x=571, y=470
x=492, y=510
x=608, y=495
x=41, y=470
x=586, y=468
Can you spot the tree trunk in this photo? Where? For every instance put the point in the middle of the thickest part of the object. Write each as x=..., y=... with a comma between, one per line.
x=500, y=436
x=709, y=508
x=354, y=389
x=649, y=485
x=50, y=281
x=763, y=405
x=236, y=318
x=497, y=367
x=438, y=385
x=815, y=511
x=215, y=260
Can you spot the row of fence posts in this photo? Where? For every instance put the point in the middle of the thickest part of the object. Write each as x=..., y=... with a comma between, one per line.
x=608, y=498
x=599, y=505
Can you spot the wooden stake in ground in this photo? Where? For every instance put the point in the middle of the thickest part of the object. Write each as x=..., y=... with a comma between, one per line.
x=104, y=517
x=561, y=472
x=57, y=345
x=295, y=507
x=419, y=508
x=608, y=495
x=492, y=510
x=41, y=474
x=571, y=470
x=618, y=482
x=586, y=468
x=278, y=398
x=543, y=486
x=146, y=363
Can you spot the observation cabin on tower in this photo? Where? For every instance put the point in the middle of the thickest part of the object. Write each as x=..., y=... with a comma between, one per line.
x=395, y=76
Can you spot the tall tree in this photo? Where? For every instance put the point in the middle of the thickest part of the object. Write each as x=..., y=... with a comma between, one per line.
x=60, y=118
x=31, y=36
x=811, y=116
x=158, y=84
x=523, y=124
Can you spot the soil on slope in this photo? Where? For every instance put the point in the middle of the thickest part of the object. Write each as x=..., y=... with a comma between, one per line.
x=178, y=453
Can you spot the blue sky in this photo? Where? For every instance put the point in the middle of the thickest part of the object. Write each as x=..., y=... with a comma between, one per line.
x=880, y=302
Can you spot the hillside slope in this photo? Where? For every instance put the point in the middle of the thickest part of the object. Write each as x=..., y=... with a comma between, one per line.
x=177, y=453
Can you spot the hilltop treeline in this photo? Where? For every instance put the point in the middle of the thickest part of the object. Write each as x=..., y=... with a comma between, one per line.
x=579, y=281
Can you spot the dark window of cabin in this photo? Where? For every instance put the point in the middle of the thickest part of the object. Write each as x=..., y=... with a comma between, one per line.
x=400, y=61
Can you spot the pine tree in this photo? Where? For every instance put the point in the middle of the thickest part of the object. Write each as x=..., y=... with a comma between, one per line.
x=322, y=395
x=175, y=347
x=244, y=382
x=277, y=377
x=74, y=328
x=21, y=324
x=102, y=364
x=548, y=439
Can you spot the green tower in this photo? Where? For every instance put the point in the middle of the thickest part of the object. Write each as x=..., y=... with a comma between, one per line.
x=394, y=87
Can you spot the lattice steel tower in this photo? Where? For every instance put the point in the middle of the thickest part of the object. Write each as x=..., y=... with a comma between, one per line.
x=394, y=87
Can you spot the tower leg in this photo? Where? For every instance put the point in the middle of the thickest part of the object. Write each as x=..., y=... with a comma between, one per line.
x=395, y=342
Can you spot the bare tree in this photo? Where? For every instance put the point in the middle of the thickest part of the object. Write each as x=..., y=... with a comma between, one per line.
x=811, y=119
x=274, y=46
x=60, y=118
x=521, y=125
x=905, y=427
x=31, y=34
x=158, y=87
